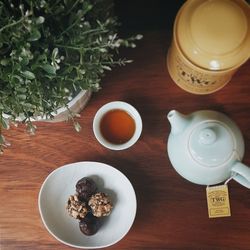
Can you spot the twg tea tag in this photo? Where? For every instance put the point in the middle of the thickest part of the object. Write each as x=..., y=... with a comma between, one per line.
x=218, y=201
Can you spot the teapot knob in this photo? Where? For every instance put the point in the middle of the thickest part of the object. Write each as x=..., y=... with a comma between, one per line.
x=207, y=136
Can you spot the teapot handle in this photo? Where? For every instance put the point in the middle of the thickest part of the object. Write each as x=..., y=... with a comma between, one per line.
x=242, y=174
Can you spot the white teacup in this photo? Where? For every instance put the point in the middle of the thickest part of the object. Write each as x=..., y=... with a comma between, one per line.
x=123, y=107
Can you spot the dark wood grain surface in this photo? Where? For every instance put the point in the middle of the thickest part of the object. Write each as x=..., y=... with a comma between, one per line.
x=172, y=212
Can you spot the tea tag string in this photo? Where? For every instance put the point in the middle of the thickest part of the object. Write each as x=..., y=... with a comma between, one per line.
x=230, y=178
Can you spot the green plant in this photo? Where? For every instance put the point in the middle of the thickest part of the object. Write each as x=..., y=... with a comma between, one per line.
x=51, y=49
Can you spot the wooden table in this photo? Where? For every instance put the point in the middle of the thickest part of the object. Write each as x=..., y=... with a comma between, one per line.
x=172, y=212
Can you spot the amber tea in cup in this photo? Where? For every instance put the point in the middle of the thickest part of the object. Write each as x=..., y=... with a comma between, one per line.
x=117, y=125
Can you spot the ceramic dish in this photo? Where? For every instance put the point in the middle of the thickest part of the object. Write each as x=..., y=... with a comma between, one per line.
x=60, y=184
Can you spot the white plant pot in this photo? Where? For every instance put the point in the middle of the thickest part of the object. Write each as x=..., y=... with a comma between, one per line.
x=62, y=114
x=77, y=104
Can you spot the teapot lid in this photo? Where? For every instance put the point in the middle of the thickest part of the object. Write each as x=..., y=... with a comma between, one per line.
x=211, y=143
x=214, y=34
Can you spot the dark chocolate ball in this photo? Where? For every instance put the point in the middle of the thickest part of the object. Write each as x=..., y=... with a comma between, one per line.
x=90, y=224
x=85, y=187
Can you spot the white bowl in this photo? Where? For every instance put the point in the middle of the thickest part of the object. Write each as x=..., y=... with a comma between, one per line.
x=60, y=184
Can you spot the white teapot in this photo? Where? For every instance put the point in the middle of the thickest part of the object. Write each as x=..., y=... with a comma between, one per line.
x=206, y=147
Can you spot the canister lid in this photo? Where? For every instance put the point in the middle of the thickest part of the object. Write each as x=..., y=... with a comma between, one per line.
x=214, y=34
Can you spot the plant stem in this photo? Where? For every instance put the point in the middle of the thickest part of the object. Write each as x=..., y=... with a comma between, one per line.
x=85, y=32
x=73, y=6
x=81, y=56
x=94, y=30
x=81, y=48
x=70, y=27
x=1, y=120
x=12, y=24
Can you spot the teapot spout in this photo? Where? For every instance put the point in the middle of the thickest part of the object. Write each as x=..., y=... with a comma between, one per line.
x=178, y=122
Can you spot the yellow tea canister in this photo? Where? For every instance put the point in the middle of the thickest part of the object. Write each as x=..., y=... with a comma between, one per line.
x=211, y=40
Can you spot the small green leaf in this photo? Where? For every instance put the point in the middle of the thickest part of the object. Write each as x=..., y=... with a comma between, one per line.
x=22, y=90
x=31, y=128
x=106, y=67
x=18, y=80
x=77, y=127
x=40, y=20
x=29, y=75
x=4, y=62
x=139, y=37
x=34, y=35
x=5, y=123
x=82, y=71
x=25, y=61
x=49, y=69
x=21, y=96
x=2, y=139
x=54, y=53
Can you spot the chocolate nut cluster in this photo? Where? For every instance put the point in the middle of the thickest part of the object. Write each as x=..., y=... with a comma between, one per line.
x=100, y=204
x=77, y=209
x=88, y=206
